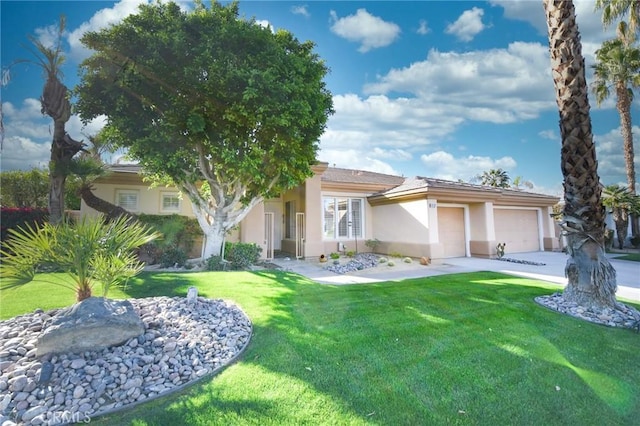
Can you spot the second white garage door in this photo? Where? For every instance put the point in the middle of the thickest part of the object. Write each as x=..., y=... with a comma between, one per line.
x=451, y=231
x=517, y=228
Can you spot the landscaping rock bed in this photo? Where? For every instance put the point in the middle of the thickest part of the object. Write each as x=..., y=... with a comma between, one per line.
x=357, y=263
x=522, y=262
x=182, y=343
x=622, y=316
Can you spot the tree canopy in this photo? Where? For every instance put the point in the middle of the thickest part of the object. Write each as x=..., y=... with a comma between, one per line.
x=228, y=110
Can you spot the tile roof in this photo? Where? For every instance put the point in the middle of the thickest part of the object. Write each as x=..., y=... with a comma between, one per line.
x=335, y=174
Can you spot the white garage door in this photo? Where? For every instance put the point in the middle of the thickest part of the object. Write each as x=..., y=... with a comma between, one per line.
x=517, y=228
x=451, y=231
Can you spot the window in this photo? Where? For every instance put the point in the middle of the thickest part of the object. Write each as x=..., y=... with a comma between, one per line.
x=127, y=199
x=290, y=219
x=342, y=217
x=170, y=202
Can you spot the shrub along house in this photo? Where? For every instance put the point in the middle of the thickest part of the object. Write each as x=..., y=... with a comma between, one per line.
x=339, y=209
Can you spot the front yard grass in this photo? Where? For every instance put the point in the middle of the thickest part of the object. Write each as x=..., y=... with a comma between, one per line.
x=634, y=257
x=456, y=349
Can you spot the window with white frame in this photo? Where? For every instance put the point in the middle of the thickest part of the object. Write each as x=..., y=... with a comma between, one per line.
x=170, y=202
x=342, y=217
x=127, y=199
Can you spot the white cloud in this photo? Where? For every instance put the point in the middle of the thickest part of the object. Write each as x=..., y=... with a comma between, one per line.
x=378, y=121
x=497, y=85
x=354, y=159
x=549, y=134
x=468, y=25
x=300, y=10
x=610, y=156
x=589, y=20
x=79, y=131
x=101, y=19
x=28, y=134
x=423, y=28
x=443, y=165
x=48, y=35
x=26, y=120
x=20, y=153
x=370, y=31
x=265, y=24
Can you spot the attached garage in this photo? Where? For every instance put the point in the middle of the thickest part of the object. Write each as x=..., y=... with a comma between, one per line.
x=451, y=231
x=518, y=228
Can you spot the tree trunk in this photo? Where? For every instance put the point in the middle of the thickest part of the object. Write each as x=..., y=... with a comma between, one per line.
x=621, y=220
x=111, y=211
x=56, y=197
x=591, y=278
x=63, y=148
x=213, y=242
x=623, y=105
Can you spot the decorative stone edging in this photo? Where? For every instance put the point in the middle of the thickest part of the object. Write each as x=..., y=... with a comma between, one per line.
x=622, y=316
x=358, y=263
x=183, y=343
x=521, y=262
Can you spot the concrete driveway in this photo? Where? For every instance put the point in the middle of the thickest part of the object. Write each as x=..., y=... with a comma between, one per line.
x=628, y=273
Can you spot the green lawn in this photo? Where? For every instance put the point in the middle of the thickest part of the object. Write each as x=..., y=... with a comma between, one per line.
x=457, y=349
x=634, y=257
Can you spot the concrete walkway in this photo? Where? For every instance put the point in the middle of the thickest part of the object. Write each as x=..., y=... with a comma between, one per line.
x=628, y=273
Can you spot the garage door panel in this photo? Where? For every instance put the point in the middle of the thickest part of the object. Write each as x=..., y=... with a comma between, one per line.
x=518, y=229
x=451, y=231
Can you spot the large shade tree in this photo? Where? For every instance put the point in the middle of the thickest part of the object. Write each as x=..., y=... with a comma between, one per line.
x=591, y=277
x=617, y=70
x=230, y=111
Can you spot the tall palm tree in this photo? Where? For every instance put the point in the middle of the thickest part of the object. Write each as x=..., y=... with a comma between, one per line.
x=591, y=278
x=495, y=177
x=619, y=201
x=617, y=69
x=55, y=103
x=616, y=9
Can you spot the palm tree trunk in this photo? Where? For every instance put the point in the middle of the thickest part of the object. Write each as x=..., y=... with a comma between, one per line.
x=111, y=211
x=624, y=109
x=63, y=148
x=591, y=278
x=621, y=220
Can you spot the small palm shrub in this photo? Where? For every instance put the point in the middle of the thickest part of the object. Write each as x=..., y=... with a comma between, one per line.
x=91, y=251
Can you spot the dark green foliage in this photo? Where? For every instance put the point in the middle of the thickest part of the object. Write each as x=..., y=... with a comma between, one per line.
x=14, y=218
x=242, y=255
x=173, y=256
x=30, y=188
x=178, y=235
x=216, y=263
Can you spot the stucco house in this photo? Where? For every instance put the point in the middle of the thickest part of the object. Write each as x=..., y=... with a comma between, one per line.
x=339, y=209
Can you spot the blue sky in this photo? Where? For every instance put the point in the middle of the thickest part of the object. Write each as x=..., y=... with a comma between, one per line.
x=438, y=89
